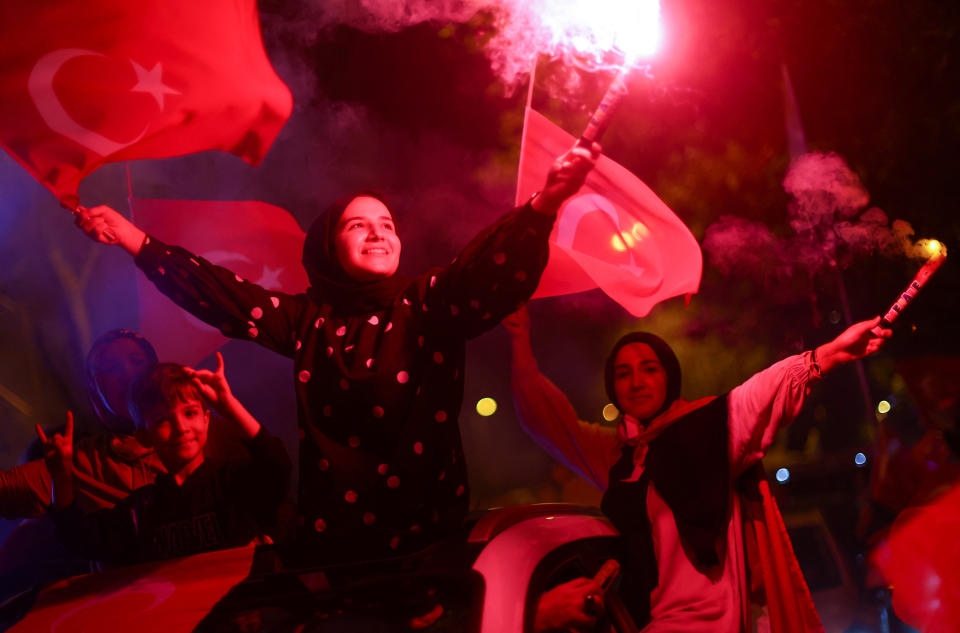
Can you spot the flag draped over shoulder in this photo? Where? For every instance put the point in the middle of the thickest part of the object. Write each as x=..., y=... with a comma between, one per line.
x=163, y=597
x=258, y=241
x=615, y=234
x=86, y=82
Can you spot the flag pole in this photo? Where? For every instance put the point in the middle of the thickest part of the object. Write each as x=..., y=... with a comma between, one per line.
x=129, y=190
x=523, y=137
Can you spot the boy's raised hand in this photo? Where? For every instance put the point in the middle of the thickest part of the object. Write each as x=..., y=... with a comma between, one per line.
x=214, y=388
x=213, y=385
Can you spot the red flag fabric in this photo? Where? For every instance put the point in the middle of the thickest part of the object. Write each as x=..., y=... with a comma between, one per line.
x=85, y=82
x=615, y=234
x=164, y=597
x=258, y=241
x=921, y=562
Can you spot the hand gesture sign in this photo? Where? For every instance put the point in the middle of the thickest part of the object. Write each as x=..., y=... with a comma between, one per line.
x=58, y=450
x=214, y=388
x=58, y=454
x=213, y=385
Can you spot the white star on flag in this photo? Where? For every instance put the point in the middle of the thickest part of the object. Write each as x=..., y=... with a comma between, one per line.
x=151, y=82
x=270, y=278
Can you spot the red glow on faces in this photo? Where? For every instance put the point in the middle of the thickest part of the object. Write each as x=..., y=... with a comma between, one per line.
x=178, y=433
x=639, y=380
x=367, y=244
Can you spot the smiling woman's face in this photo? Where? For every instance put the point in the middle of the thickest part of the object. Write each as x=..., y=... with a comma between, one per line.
x=366, y=240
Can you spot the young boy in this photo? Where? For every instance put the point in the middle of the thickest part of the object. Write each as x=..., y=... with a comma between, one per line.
x=199, y=505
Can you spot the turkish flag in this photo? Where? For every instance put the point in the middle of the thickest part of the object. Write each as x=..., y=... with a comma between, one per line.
x=164, y=597
x=86, y=82
x=258, y=241
x=615, y=234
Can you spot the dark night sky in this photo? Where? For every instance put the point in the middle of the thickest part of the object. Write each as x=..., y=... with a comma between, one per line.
x=419, y=114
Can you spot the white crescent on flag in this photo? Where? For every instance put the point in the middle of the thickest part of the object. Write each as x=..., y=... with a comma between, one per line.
x=87, y=83
x=40, y=87
x=568, y=221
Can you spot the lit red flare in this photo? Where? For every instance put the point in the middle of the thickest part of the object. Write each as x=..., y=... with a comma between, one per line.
x=601, y=116
x=939, y=255
x=593, y=29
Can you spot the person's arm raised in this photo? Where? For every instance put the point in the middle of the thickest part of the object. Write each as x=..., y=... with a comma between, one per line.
x=547, y=416
x=105, y=225
x=566, y=176
x=237, y=307
x=857, y=341
x=773, y=397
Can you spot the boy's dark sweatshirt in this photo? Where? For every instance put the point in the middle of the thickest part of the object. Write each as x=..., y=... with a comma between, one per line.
x=220, y=505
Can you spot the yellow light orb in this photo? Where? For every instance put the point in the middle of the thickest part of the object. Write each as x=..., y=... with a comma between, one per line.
x=617, y=243
x=610, y=412
x=486, y=406
x=883, y=407
x=932, y=247
x=627, y=238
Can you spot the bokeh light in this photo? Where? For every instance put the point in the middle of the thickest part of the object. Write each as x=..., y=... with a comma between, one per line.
x=610, y=412
x=883, y=407
x=859, y=459
x=486, y=406
x=783, y=475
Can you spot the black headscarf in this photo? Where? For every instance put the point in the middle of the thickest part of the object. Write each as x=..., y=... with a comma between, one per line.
x=328, y=281
x=100, y=407
x=667, y=358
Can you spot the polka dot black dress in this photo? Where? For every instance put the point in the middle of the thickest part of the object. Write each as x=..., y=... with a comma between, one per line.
x=379, y=375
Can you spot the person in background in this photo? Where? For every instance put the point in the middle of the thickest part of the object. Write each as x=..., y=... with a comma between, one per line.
x=108, y=466
x=198, y=505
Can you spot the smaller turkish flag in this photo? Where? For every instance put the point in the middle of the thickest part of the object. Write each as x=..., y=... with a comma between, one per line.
x=615, y=234
x=85, y=82
x=258, y=241
x=165, y=597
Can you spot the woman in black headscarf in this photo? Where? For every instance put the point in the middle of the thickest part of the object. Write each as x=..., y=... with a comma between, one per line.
x=681, y=479
x=378, y=358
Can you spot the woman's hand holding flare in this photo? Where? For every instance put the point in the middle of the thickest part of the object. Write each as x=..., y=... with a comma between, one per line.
x=566, y=176
x=857, y=341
